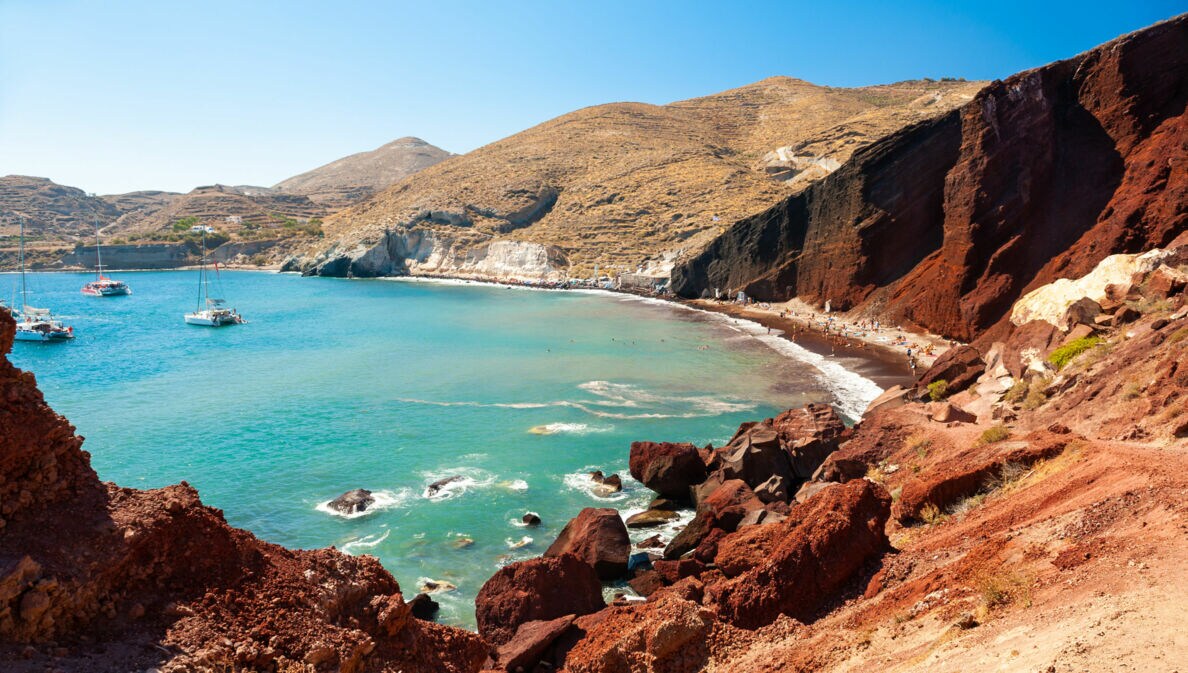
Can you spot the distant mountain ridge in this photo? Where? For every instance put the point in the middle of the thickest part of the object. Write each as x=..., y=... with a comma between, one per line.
x=355, y=178
x=60, y=215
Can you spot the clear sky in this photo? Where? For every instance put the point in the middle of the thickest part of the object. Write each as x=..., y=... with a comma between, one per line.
x=119, y=95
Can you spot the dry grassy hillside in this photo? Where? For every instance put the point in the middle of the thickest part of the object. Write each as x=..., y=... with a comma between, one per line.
x=354, y=178
x=617, y=184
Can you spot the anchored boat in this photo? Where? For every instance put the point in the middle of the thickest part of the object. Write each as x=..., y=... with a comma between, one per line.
x=103, y=286
x=211, y=311
x=36, y=324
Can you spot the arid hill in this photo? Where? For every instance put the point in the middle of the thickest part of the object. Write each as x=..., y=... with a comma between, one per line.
x=242, y=212
x=619, y=184
x=946, y=223
x=357, y=177
x=52, y=212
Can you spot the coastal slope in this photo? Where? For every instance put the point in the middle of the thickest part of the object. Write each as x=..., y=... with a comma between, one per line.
x=99, y=578
x=944, y=224
x=618, y=185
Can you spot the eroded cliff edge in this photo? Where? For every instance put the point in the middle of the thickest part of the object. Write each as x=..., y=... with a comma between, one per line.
x=95, y=577
x=946, y=223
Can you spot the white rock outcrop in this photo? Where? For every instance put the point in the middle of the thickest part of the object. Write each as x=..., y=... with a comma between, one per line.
x=1050, y=302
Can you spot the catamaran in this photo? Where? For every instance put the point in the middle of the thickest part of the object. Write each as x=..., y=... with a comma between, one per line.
x=104, y=286
x=216, y=313
x=36, y=324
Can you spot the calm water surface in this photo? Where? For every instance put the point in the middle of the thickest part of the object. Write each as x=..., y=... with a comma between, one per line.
x=339, y=384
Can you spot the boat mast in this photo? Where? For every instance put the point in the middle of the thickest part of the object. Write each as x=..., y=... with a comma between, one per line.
x=202, y=273
x=98, y=252
x=21, y=255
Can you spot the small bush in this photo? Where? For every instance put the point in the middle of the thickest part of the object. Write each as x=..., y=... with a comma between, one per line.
x=1017, y=392
x=1069, y=351
x=1004, y=588
x=1178, y=336
x=919, y=444
x=1131, y=390
x=938, y=390
x=1036, y=395
x=995, y=434
x=931, y=514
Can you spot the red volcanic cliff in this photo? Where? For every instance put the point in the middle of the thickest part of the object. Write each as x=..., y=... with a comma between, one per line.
x=946, y=223
x=94, y=577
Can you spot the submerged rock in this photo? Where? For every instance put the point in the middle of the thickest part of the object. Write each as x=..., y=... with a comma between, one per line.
x=434, y=488
x=651, y=517
x=423, y=607
x=354, y=501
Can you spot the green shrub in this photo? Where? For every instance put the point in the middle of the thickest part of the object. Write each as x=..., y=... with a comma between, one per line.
x=1069, y=351
x=1017, y=392
x=938, y=390
x=185, y=223
x=994, y=434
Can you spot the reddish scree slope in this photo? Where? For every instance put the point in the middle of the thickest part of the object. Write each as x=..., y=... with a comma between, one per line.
x=94, y=577
x=946, y=223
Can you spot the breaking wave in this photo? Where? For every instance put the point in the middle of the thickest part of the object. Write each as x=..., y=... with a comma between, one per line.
x=365, y=542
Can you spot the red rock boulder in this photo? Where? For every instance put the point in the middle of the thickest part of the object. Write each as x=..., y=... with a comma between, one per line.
x=808, y=435
x=599, y=538
x=669, y=634
x=667, y=468
x=828, y=541
x=543, y=588
x=959, y=367
x=531, y=641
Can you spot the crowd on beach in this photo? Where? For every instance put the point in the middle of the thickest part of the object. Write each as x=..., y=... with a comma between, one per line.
x=861, y=333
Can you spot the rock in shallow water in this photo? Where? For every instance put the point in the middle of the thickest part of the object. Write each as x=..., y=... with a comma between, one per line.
x=350, y=502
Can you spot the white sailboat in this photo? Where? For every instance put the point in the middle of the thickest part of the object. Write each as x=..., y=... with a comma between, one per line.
x=211, y=311
x=103, y=286
x=36, y=324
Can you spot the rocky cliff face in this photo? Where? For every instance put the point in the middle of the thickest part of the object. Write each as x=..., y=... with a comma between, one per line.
x=945, y=223
x=94, y=577
x=623, y=184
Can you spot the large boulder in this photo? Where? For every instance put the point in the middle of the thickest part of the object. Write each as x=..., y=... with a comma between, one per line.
x=542, y=588
x=530, y=642
x=815, y=553
x=669, y=634
x=724, y=509
x=667, y=468
x=755, y=457
x=599, y=538
x=809, y=434
x=959, y=367
x=1083, y=311
x=1165, y=281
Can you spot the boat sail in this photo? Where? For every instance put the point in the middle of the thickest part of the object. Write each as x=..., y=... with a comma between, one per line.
x=36, y=324
x=103, y=286
x=211, y=311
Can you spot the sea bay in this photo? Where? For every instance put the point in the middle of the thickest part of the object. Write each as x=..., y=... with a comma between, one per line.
x=339, y=384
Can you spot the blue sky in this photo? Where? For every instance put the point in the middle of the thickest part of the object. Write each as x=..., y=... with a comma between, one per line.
x=120, y=95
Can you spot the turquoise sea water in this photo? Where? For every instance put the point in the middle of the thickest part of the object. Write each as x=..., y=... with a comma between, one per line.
x=386, y=385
